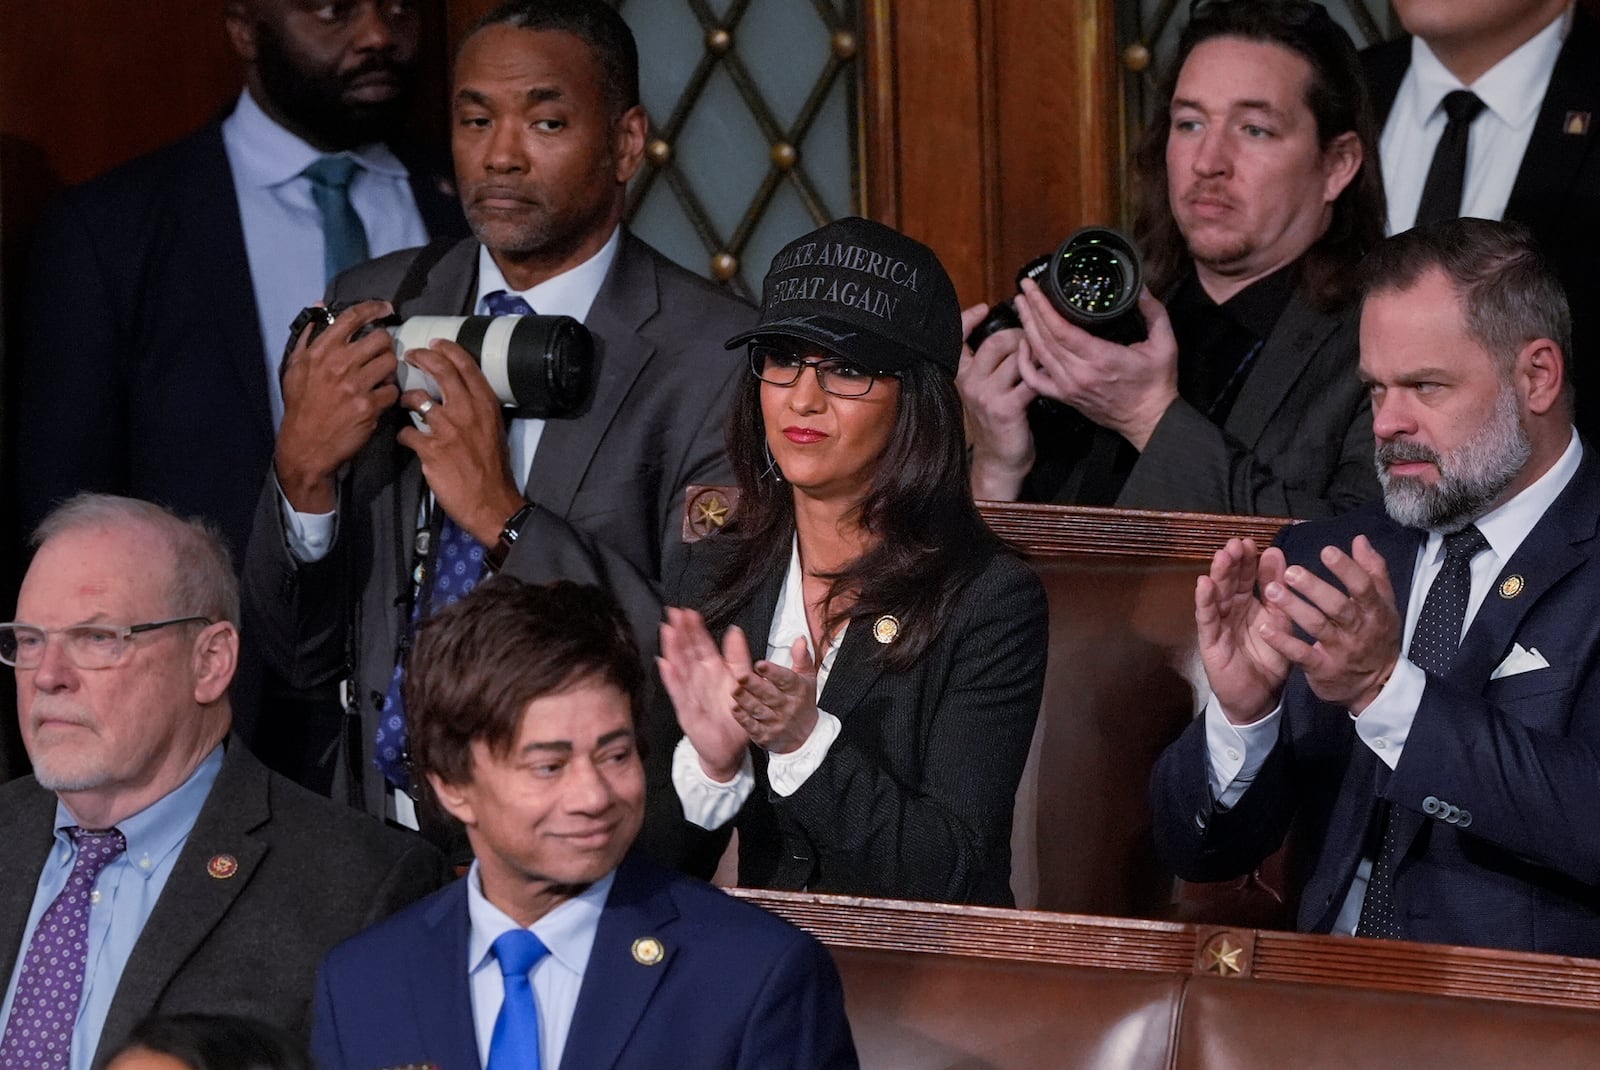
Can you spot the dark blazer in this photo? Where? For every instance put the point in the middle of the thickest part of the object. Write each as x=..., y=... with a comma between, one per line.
x=1297, y=442
x=310, y=873
x=915, y=797
x=1520, y=755
x=141, y=369
x=738, y=988
x=1557, y=190
x=607, y=485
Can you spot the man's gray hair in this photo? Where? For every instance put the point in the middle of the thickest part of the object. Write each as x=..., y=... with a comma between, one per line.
x=202, y=581
x=1509, y=295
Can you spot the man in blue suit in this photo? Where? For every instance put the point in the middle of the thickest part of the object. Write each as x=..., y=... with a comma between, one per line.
x=561, y=947
x=1445, y=793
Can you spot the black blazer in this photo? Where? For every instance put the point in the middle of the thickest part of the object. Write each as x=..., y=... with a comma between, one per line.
x=310, y=873
x=141, y=369
x=1512, y=860
x=915, y=798
x=1557, y=190
x=1297, y=442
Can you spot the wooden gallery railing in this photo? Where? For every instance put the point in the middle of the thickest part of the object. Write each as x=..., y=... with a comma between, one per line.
x=1177, y=976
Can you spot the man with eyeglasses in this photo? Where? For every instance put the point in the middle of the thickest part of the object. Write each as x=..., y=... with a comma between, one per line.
x=154, y=865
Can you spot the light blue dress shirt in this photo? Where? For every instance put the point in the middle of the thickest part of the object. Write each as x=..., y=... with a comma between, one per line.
x=122, y=901
x=283, y=229
x=568, y=931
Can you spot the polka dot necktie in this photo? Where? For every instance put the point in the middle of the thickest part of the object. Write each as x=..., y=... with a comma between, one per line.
x=457, y=567
x=38, y=1032
x=514, y=1045
x=1433, y=649
x=344, y=239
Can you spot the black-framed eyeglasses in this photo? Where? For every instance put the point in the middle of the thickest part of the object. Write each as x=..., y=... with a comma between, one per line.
x=783, y=367
x=87, y=646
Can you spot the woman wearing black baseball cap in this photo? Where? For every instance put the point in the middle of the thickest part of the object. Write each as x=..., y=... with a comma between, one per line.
x=865, y=717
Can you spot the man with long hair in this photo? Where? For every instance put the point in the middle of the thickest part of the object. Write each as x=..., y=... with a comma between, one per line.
x=1258, y=193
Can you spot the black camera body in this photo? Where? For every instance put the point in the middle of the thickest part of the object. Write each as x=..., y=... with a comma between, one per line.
x=541, y=367
x=1093, y=279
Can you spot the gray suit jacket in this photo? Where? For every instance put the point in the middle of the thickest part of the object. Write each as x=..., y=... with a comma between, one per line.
x=310, y=874
x=607, y=484
x=1297, y=442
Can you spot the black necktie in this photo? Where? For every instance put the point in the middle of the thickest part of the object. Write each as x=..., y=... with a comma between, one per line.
x=1447, y=175
x=1433, y=649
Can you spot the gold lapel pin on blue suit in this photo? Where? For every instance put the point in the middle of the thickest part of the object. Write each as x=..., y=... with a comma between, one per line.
x=647, y=951
x=1512, y=586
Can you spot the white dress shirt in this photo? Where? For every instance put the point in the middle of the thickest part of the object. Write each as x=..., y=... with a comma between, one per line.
x=1237, y=752
x=1512, y=91
x=711, y=803
x=283, y=228
x=568, y=931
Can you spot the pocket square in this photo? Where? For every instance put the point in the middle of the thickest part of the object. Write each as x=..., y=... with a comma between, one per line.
x=1520, y=660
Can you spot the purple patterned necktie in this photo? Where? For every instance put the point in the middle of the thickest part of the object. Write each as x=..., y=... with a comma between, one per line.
x=39, y=1031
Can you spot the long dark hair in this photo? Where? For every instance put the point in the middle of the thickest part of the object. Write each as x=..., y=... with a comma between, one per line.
x=1337, y=97
x=928, y=539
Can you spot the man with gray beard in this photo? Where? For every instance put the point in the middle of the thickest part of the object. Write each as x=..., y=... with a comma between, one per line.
x=1416, y=690
x=152, y=865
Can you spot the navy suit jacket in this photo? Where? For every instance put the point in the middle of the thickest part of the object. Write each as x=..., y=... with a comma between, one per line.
x=738, y=988
x=142, y=370
x=1557, y=190
x=1517, y=863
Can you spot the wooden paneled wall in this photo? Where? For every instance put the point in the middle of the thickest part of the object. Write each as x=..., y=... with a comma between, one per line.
x=992, y=128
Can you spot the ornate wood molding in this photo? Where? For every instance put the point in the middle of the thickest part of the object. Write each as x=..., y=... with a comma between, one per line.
x=1169, y=947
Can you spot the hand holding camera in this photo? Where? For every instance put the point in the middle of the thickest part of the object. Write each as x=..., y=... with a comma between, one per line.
x=996, y=402
x=460, y=439
x=1125, y=388
x=337, y=382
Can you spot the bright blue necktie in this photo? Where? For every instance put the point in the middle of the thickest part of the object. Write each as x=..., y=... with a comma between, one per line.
x=501, y=303
x=515, y=1042
x=344, y=239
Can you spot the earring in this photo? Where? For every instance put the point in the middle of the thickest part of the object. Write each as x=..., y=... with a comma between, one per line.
x=772, y=466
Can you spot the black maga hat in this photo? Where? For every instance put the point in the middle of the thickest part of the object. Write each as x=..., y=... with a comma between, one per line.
x=866, y=292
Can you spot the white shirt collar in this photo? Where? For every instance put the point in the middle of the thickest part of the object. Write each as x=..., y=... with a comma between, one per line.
x=1506, y=526
x=570, y=293
x=568, y=930
x=269, y=155
x=1513, y=88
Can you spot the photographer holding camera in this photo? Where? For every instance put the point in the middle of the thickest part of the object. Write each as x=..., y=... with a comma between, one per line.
x=374, y=519
x=1259, y=192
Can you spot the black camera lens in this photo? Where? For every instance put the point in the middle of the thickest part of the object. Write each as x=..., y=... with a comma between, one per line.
x=1094, y=280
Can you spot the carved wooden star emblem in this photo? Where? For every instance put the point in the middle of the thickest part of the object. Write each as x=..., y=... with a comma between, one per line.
x=1223, y=957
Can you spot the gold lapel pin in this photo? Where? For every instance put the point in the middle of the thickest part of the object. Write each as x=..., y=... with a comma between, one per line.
x=1577, y=124
x=1512, y=586
x=647, y=951
x=222, y=866
x=885, y=629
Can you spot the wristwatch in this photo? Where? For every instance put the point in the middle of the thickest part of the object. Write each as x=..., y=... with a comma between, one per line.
x=508, y=537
